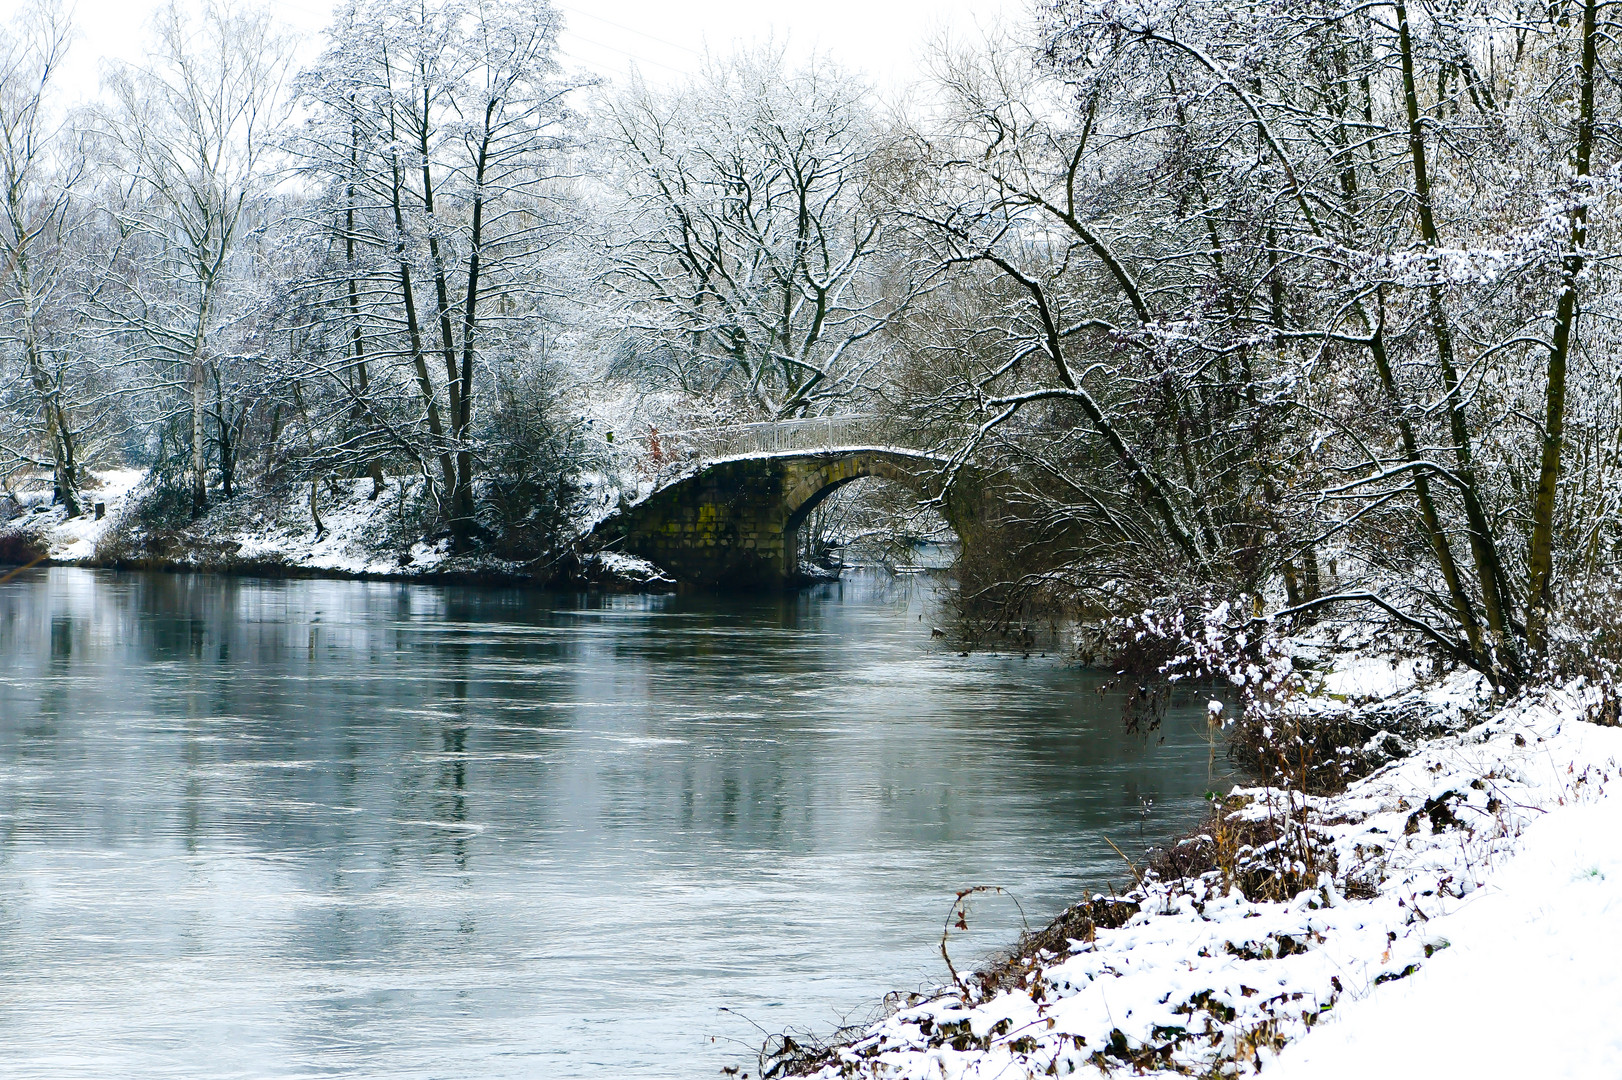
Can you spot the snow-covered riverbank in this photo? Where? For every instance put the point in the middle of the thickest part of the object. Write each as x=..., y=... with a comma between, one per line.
x=39, y=524
x=343, y=529
x=1466, y=920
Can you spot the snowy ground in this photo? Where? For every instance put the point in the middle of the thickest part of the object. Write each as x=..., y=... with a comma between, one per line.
x=249, y=531
x=1486, y=939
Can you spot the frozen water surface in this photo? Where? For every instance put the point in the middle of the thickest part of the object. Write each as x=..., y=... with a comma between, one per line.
x=313, y=828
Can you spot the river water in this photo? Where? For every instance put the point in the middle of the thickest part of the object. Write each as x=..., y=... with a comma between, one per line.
x=328, y=828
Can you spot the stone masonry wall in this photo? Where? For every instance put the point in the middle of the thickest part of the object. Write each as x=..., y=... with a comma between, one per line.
x=723, y=527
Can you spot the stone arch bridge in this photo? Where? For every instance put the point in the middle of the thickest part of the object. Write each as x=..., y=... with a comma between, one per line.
x=728, y=503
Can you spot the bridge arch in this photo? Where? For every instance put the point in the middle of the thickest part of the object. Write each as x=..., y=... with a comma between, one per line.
x=816, y=484
x=736, y=522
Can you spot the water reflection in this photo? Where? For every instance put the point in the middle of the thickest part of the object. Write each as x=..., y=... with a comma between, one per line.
x=335, y=828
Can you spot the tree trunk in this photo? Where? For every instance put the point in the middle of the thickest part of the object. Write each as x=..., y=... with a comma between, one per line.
x=419, y=362
x=1540, y=560
x=63, y=481
x=356, y=338
x=464, y=419
x=460, y=498
x=1430, y=520
x=1483, y=549
x=199, y=406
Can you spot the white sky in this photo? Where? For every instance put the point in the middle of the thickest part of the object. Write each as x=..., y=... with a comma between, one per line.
x=664, y=38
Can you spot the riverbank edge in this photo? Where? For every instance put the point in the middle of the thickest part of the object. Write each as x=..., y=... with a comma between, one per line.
x=275, y=571
x=1186, y=974
x=267, y=535
x=485, y=576
x=350, y=550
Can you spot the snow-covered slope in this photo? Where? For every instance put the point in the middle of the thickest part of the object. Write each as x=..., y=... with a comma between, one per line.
x=1532, y=977
x=1486, y=942
x=65, y=539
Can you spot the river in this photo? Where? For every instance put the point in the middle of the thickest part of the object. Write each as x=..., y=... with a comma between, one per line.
x=255, y=828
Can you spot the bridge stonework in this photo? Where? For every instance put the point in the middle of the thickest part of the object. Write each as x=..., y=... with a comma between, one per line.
x=736, y=523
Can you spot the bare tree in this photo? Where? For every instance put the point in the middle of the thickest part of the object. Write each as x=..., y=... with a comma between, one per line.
x=438, y=133
x=192, y=131
x=40, y=176
x=1383, y=215
x=1096, y=342
x=754, y=231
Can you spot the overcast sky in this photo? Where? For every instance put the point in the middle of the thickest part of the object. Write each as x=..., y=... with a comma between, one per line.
x=664, y=38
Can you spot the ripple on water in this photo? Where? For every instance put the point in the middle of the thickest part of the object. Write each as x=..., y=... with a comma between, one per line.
x=306, y=828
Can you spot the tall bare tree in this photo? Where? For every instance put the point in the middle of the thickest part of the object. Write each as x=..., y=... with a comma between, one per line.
x=1256, y=287
x=41, y=173
x=439, y=133
x=753, y=232
x=192, y=132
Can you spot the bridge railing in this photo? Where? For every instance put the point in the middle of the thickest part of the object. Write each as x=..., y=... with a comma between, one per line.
x=665, y=456
x=821, y=434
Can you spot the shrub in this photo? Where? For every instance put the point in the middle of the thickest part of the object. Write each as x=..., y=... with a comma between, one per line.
x=535, y=454
x=19, y=549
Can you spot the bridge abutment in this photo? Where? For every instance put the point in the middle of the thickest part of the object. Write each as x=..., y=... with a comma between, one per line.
x=722, y=527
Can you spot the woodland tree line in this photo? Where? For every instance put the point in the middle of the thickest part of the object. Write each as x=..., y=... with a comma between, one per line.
x=1307, y=303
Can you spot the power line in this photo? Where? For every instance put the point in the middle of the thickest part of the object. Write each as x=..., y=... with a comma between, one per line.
x=625, y=53
x=314, y=10
x=630, y=30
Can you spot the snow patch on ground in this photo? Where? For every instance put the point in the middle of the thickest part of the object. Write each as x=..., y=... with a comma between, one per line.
x=1529, y=985
x=632, y=568
x=1485, y=941
x=1361, y=677
x=352, y=538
